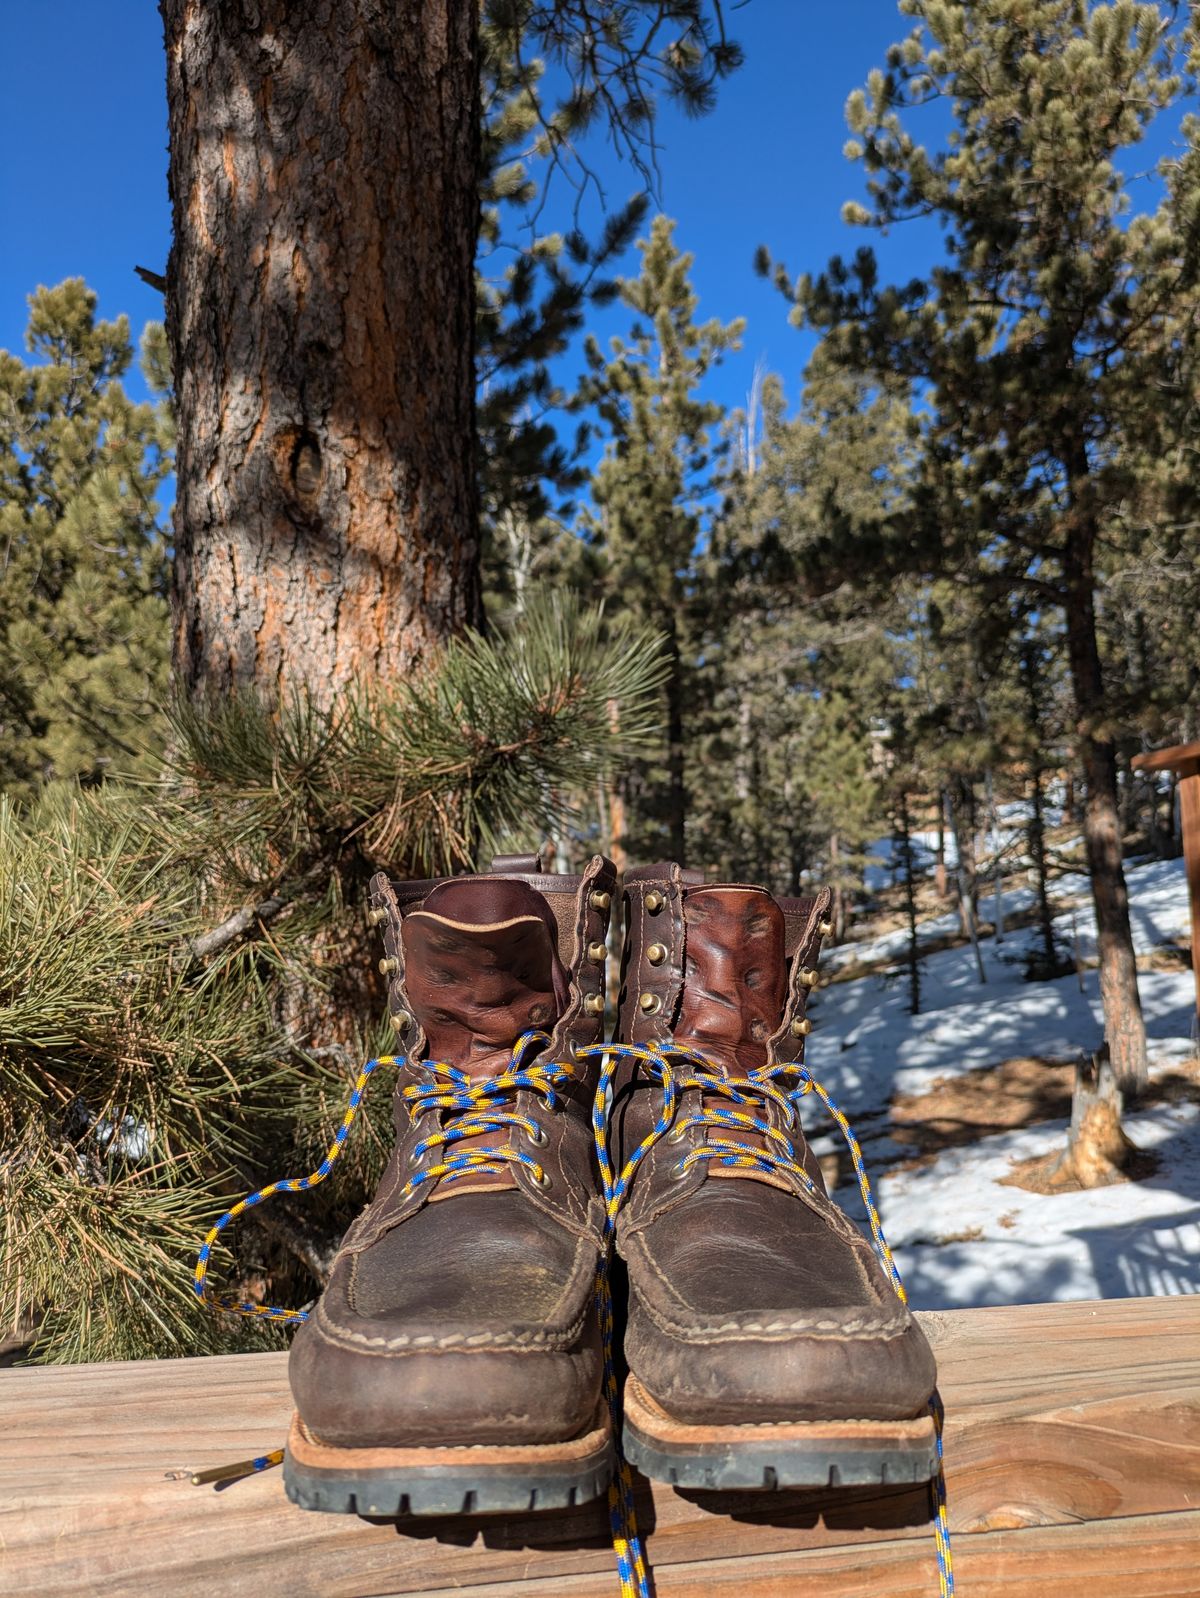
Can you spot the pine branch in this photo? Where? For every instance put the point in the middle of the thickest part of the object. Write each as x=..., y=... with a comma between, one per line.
x=243, y=921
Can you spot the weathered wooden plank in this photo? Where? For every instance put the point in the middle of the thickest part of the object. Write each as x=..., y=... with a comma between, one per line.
x=1151, y=1556
x=1058, y=1414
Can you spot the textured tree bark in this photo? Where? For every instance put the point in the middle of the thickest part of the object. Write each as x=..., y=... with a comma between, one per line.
x=904, y=838
x=1124, y=1028
x=676, y=783
x=320, y=308
x=1097, y=1153
x=1036, y=830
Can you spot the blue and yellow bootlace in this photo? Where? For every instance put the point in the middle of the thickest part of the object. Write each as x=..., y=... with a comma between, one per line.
x=476, y=1107
x=478, y=1104
x=679, y=1070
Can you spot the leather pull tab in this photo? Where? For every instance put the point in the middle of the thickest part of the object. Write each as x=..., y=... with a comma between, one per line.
x=520, y=865
x=524, y=865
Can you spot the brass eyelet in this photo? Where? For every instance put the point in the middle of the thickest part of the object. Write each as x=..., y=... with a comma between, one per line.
x=542, y=1180
x=677, y=1132
x=679, y=1171
x=537, y=1137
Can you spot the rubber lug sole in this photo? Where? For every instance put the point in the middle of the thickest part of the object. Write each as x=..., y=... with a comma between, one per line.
x=834, y=1453
x=480, y=1480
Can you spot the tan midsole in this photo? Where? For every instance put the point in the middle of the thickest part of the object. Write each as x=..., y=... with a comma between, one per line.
x=306, y=1449
x=652, y=1421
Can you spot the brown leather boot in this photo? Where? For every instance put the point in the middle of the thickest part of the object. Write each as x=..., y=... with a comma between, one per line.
x=453, y=1364
x=766, y=1346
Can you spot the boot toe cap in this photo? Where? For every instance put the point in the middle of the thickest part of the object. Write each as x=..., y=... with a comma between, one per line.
x=757, y=1317
x=417, y=1346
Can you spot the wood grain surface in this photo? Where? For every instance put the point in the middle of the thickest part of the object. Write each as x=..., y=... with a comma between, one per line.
x=1072, y=1446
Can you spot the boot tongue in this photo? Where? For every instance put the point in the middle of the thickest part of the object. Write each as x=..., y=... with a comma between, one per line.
x=481, y=967
x=736, y=979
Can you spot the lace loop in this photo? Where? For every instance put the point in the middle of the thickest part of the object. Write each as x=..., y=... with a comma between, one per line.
x=475, y=1106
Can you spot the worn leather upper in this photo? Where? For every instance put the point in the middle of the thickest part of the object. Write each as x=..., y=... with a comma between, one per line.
x=483, y=967
x=736, y=977
x=753, y=1298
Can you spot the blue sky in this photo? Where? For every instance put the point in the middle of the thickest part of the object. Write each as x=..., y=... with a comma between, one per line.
x=83, y=178
x=83, y=175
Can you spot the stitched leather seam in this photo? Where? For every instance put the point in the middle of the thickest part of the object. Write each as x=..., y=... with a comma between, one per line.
x=672, y=1292
x=459, y=1342
x=744, y=1331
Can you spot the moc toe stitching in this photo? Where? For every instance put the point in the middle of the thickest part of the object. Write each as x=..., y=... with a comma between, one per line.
x=577, y=1286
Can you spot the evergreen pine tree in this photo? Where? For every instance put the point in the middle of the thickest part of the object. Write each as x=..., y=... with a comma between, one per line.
x=651, y=489
x=162, y=1045
x=84, y=633
x=799, y=660
x=1038, y=345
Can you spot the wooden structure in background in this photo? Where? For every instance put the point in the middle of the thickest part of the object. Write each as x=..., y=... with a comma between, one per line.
x=1184, y=760
x=1073, y=1465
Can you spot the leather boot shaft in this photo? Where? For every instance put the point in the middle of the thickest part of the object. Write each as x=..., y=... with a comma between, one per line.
x=574, y=910
x=718, y=964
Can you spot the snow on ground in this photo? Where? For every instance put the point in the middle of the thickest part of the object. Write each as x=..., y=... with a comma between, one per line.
x=1009, y=834
x=961, y=1238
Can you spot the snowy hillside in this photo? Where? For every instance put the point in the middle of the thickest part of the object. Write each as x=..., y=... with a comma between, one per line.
x=961, y=1237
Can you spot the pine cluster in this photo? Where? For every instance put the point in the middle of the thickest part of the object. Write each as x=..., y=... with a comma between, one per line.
x=185, y=995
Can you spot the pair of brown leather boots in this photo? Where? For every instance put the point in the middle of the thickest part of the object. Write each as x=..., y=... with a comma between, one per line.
x=455, y=1362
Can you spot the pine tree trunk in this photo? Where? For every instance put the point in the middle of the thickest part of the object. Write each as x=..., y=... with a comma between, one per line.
x=613, y=801
x=1124, y=1029
x=1037, y=848
x=997, y=860
x=960, y=812
x=910, y=907
x=839, y=894
x=1158, y=840
x=1070, y=809
x=320, y=308
x=676, y=788
x=1037, y=816
x=969, y=841
x=964, y=876
x=1126, y=793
